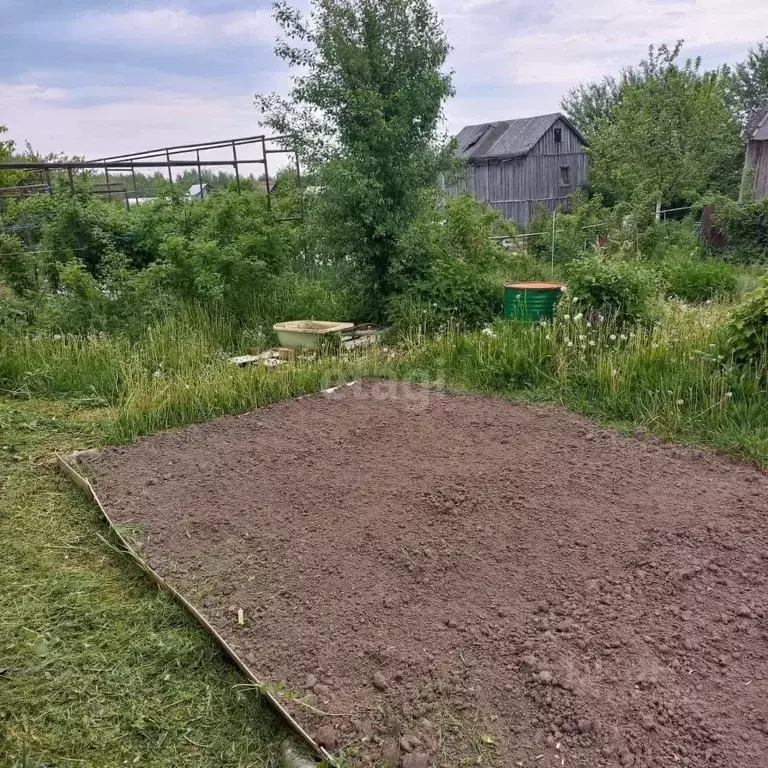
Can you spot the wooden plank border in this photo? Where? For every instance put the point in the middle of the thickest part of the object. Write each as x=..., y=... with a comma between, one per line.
x=85, y=486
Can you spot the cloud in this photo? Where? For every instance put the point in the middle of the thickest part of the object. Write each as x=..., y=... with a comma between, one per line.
x=521, y=42
x=175, y=27
x=148, y=74
x=135, y=119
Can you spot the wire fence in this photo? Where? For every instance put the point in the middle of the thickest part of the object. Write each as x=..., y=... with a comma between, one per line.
x=510, y=241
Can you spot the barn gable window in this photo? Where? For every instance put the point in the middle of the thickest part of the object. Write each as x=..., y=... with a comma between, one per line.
x=558, y=135
x=565, y=175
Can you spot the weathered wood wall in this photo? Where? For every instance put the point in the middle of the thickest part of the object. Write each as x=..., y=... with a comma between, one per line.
x=757, y=158
x=515, y=186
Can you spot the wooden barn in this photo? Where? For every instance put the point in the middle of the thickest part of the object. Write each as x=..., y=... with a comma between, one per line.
x=756, y=165
x=515, y=164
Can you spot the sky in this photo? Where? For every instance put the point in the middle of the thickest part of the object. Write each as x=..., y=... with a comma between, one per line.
x=91, y=78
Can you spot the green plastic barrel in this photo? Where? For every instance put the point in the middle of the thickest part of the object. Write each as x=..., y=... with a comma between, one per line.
x=531, y=301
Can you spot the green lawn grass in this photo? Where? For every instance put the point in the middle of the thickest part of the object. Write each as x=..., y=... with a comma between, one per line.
x=97, y=666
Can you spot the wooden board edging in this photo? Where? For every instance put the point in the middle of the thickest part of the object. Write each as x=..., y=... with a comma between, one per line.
x=85, y=486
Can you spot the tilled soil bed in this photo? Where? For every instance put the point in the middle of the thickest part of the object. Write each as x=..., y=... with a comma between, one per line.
x=460, y=580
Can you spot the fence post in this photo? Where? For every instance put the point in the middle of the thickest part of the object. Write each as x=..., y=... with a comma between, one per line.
x=552, y=265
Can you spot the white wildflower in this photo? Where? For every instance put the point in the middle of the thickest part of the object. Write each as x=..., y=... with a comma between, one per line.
x=157, y=374
x=578, y=317
x=569, y=343
x=612, y=337
x=566, y=317
x=623, y=337
x=582, y=337
x=591, y=342
x=680, y=402
x=729, y=395
x=489, y=332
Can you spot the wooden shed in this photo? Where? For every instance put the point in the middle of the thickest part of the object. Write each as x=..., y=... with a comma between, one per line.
x=756, y=164
x=515, y=164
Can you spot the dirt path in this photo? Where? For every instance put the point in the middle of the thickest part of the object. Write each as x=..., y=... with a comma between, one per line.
x=463, y=580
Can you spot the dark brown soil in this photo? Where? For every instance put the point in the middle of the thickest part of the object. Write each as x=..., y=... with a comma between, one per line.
x=463, y=580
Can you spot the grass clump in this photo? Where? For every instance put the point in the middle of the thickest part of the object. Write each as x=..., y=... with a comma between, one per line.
x=698, y=280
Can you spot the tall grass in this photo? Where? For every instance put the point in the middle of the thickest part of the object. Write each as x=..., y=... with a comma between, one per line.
x=671, y=379
x=196, y=394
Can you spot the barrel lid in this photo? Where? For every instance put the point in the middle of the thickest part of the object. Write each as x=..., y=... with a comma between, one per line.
x=536, y=286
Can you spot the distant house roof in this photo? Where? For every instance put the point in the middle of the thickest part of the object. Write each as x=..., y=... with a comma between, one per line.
x=757, y=125
x=507, y=138
x=196, y=189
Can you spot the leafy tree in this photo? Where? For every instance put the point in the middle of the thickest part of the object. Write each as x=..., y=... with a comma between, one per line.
x=7, y=148
x=366, y=109
x=671, y=137
x=589, y=103
x=750, y=81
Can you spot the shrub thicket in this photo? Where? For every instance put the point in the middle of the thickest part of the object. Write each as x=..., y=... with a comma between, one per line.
x=747, y=330
x=623, y=290
x=745, y=226
x=697, y=280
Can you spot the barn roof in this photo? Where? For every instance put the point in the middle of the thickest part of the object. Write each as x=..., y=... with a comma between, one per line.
x=507, y=138
x=757, y=126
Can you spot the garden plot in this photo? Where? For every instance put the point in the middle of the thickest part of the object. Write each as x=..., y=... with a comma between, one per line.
x=437, y=580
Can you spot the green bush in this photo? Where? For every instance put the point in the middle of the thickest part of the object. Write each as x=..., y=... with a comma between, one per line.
x=468, y=228
x=18, y=268
x=449, y=270
x=576, y=231
x=79, y=305
x=745, y=226
x=625, y=291
x=696, y=281
x=664, y=240
x=747, y=330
